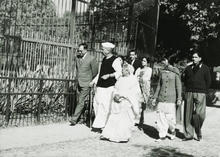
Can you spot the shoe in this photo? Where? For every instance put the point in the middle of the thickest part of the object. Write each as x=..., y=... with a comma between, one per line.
x=187, y=139
x=123, y=141
x=160, y=139
x=173, y=135
x=72, y=123
x=103, y=138
x=199, y=137
x=97, y=130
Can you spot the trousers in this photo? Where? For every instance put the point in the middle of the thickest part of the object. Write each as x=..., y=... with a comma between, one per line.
x=166, y=118
x=82, y=93
x=195, y=112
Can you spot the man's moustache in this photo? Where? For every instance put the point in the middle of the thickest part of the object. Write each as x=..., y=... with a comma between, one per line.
x=79, y=56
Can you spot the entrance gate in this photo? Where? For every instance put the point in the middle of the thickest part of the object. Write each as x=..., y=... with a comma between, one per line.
x=38, y=39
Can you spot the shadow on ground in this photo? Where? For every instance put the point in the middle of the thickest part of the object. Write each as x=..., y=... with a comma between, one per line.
x=165, y=151
x=153, y=133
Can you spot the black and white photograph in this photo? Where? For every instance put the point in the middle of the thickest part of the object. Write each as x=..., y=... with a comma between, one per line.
x=109, y=78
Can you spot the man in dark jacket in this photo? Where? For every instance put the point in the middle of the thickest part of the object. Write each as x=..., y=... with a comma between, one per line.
x=134, y=61
x=197, y=80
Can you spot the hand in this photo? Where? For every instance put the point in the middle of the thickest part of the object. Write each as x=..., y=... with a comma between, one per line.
x=117, y=98
x=106, y=76
x=154, y=102
x=179, y=102
x=91, y=84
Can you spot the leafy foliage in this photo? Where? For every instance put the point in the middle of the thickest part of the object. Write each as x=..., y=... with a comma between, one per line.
x=187, y=26
x=25, y=13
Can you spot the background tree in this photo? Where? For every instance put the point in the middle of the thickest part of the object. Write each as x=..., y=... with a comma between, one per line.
x=189, y=25
x=16, y=16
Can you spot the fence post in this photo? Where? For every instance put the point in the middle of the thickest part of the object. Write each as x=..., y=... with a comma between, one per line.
x=39, y=103
x=66, y=97
x=130, y=13
x=7, y=114
x=72, y=29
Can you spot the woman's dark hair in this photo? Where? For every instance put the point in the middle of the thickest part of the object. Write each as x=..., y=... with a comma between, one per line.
x=198, y=53
x=124, y=58
x=85, y=46
x=171, y=60
x=147, y=58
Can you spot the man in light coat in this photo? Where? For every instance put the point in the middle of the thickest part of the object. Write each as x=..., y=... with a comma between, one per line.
x=86, y=70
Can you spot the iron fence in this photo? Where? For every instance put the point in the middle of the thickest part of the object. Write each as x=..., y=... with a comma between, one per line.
x=28, y=101
x=38, y=41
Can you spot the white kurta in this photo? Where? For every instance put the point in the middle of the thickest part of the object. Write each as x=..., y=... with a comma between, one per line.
x=101, y=104
x=103, y=98
x=122, y=116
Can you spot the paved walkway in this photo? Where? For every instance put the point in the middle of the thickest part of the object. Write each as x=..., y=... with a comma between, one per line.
x=44, y=134
x=53, y=133
x=64, y=140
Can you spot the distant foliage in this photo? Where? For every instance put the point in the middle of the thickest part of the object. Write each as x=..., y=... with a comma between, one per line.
x=187, y=26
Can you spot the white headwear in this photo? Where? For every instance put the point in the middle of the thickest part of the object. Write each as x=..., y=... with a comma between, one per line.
x=129, y=67
x=108, y=45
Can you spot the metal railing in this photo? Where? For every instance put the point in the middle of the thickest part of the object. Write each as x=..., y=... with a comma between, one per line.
x=38, y=41
x=35, y=101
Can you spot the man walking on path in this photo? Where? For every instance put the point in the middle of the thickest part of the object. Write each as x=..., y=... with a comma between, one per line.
x=197, y=80
x=86, y=70
x=109, y=72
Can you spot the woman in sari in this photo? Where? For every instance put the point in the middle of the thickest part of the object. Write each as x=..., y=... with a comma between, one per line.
x=124, y=107
x=144, y=75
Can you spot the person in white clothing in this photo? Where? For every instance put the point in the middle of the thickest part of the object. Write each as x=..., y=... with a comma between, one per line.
x=124, y=107
x=110, y=71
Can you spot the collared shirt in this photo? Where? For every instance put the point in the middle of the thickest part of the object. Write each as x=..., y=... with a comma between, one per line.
x=132, y=62
x=84, y=55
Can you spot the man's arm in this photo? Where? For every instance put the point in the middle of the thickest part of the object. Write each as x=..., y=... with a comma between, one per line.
x=118, y=69
x=178, y=85
x=94, y=67
x=155, y=96
x=207, y=77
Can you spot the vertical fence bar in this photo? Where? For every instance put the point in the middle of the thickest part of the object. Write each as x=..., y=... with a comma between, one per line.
x=130, y=13
x=7, y=114
x=72, y=30
x=39, y=103
x=65, y=99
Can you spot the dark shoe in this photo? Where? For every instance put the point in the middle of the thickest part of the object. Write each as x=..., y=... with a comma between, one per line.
x=103, y=138
x=97, y=130
x=199, y=137
x=187, y=139
x=72, y=123
x=123, y=141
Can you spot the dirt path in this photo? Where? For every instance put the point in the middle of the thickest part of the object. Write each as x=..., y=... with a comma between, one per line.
x=63, y=140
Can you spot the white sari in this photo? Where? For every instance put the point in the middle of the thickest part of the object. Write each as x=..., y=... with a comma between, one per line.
x=122, y=115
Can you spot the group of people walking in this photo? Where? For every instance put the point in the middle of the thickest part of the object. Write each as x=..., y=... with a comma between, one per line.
x=122, y=87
